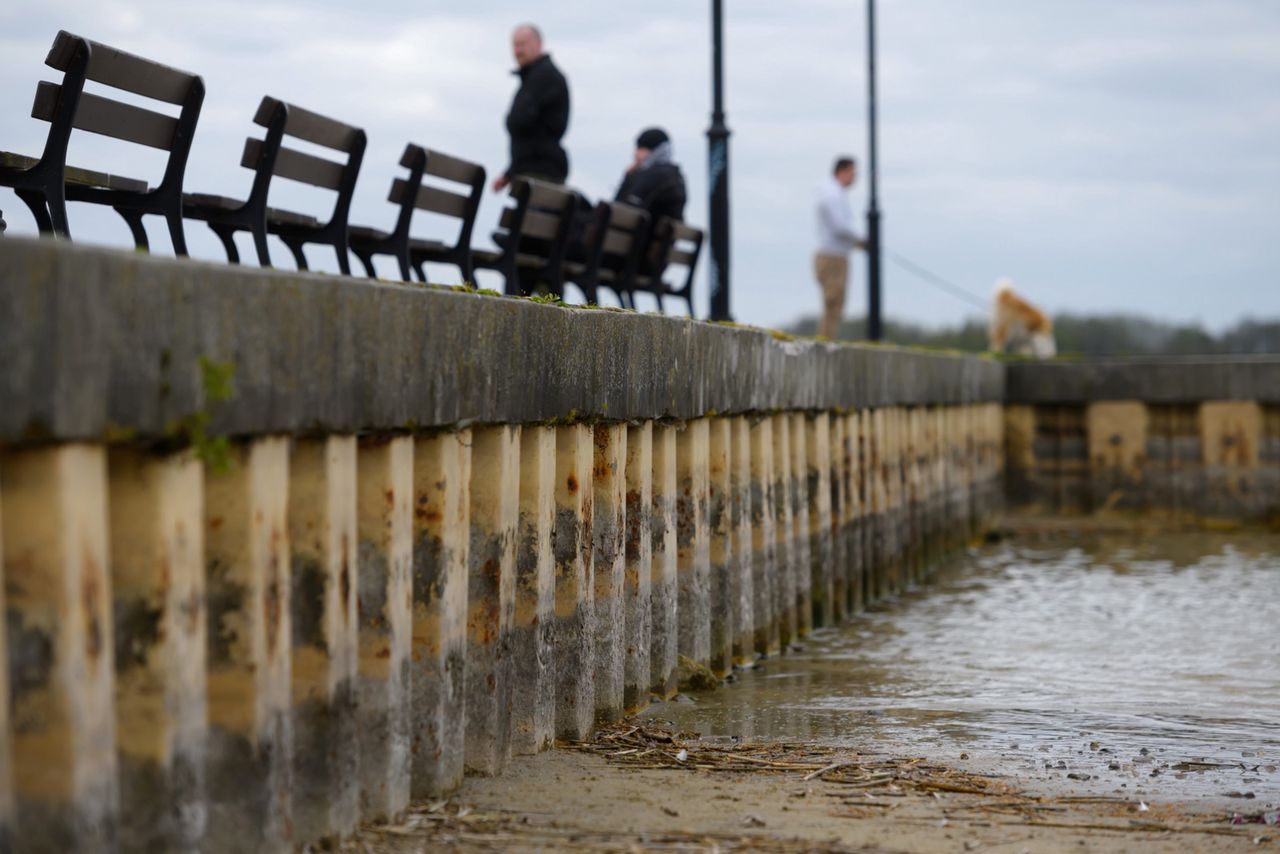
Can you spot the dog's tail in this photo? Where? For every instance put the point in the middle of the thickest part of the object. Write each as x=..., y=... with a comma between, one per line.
x=1003, y=286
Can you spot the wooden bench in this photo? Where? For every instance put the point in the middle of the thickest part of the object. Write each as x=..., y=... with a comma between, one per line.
x=618, y=235
x=411, y=194
x=46, y=183
x=674, y=244
x=269, y=157
x=532, y=234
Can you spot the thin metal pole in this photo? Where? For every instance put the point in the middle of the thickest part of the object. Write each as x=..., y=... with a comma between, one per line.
x=718, y=173
x=875, y=330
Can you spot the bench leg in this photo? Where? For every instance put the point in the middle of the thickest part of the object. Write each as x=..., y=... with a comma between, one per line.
x=298, y=257
x=420, y=269
x=227, y=236
x=260, y=243
x=177, y=234
x=344, y=259
x=35, y=201
x=366, y=260
x=58, y=214
x=134, y=220
x=403, y=259
x=3, y=224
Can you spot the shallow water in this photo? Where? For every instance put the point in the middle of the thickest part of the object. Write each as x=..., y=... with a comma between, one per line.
x=1113, y=665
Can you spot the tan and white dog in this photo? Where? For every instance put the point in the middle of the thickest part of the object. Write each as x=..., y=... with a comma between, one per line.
x=1019, y=327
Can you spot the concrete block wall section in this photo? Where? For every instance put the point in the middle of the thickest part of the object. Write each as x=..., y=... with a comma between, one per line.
x=693, y=546
x=665, y=562
x=446, y=529
x=61, y=648
x=156, y=532
x=250, y=745
x=574, y=592
x=323, y=541
x=438, y=596
x=817, y=493
x=800, y=532
x=384, y=612
x=741, y=573
x=720, y=533
x=1181, y=437
x=533, y=699
x=640, y=576
x=608, y=562
x=491, y=591
x=765, y=577
x=385, y=530
x=786, y=563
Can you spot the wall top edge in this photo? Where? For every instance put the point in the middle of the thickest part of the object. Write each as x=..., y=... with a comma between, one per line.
x=101, y=342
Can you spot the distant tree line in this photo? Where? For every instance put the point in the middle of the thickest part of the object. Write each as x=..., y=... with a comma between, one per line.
x=1086, y=334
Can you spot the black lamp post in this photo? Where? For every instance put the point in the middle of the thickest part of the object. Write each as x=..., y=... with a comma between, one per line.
x=718, y=174
x=875, y=330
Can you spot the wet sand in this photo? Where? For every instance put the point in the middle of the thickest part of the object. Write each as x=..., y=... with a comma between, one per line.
x=567, y=800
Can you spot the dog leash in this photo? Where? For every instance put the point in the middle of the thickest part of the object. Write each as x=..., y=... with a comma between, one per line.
x=936, y=280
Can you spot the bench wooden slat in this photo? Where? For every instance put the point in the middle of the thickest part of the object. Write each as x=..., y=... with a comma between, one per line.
x=619, y=242
x=279, y=216
x=685, y=232
x=76, y=175
x=625, y=216
x=195, y=204
x=296, y=165
x=679, y=256
x=451, y=168
x=536, y=262
x=411, y=153
x=430, y=199
x=429, y=247
x=365, y=234
x=123, y=70
x=536, y=223
x=109, y=118
x=543, y=195
x=313, y=127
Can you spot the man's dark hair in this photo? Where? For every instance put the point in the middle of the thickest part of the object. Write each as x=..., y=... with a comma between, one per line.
x=843, y=162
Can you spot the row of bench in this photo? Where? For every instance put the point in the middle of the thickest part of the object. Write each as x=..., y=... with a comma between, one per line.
x=539, y=246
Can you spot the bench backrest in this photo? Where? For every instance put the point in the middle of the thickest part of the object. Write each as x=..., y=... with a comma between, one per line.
x=540, y=218
x=270, y=157
x=625, y=239
x=680, y=245
x=67, y=105
x=413, y=194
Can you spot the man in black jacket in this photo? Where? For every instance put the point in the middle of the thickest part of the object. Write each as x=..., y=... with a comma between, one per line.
x=539, y=114
x=654, y=183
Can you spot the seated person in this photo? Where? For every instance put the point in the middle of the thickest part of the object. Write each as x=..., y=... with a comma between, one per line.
x=653, y=183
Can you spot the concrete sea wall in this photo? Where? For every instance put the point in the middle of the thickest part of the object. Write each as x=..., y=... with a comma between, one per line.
x=1195, y=437
x=282, y=552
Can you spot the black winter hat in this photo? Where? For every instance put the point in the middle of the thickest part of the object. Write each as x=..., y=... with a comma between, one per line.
x=651, y=138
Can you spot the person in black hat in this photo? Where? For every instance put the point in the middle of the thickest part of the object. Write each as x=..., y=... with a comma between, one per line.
x=653, y=181
x=539, y=114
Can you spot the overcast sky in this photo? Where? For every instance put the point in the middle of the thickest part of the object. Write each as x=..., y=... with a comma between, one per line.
x=1106, y=156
